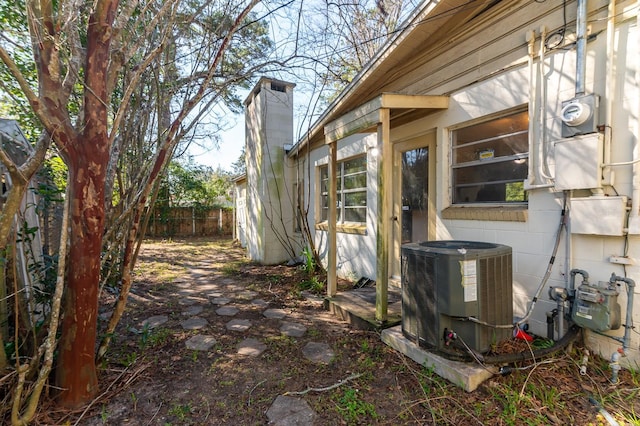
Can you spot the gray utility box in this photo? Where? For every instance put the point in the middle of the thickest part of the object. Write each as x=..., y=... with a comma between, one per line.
x=445, y=282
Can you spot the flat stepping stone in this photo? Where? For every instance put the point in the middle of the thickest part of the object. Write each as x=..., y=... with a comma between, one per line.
x=260, y=303
x=318, y=352
x=227, y=311
x=227, y=281
x=238, y=325
x=186, y=301
x=251, y=347
x=155, y=321
x=275, y=313
x=200, y=342
x=290, y=411
x=220, y=300
x=293, y=329
x=194, y=323
x=215, y=294
x=247, y=295
x=192, y=310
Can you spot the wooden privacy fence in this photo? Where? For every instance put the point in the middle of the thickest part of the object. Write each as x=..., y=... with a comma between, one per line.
x=190, y=221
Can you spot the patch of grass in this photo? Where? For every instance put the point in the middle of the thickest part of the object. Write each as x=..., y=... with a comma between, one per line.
x=231, y=268
x=430, y=382
x=156, y=337
x=314, y=333
x=180, y=411
x=352, y=408
x=129, y=359
x=547, y=396
x=161, y=271
x=313, y=284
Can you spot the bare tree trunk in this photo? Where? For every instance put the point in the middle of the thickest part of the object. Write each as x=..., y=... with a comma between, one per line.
x=88, y=160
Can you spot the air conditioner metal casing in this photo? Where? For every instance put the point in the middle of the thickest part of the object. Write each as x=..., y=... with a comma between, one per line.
x=445, y=282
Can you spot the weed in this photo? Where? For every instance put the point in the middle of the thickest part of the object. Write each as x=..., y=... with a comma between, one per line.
x=130, y=359
x=508, y=397
x=309, y=265
x=134, y=399
x=314, y=333
x=158, y=337
x=430, y=382
x=313, y=284
x=274, y=279
x=180, y=411
x=104, y=414
x=352, y=408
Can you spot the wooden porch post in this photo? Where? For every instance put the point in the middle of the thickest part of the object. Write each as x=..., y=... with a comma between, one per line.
x=385, y=163
x=332, y=273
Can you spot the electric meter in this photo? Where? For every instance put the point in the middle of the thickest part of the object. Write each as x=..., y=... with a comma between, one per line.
x=575, y=113
x=579, y=115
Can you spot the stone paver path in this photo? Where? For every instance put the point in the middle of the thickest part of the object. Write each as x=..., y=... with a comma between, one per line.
x=251, y=347
x=227, y=311
x=293, y=329
x=318, y=352
x=155, y=321
x=194, y=323
x=238, y=325
x=275, y=313
x=260, y=303
x=285, y=410
x=290, y=411
x=192, y=310
x=220, y=300
x=200, y=342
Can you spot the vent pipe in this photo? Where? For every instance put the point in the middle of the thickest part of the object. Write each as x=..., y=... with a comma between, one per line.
x=581, y=47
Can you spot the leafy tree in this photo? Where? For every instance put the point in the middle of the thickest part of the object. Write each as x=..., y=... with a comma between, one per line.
x=192, y=184
x=239, y=167
x=119, y=88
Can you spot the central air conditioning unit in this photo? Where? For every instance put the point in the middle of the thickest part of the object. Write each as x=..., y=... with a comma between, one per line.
x=446, y=282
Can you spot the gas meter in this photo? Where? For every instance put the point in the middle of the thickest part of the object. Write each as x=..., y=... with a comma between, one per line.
x=596, y=307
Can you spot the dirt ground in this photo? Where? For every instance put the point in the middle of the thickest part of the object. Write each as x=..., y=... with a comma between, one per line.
x=151, y=378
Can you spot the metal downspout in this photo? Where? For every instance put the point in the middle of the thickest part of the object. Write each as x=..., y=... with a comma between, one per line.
x=581, y=47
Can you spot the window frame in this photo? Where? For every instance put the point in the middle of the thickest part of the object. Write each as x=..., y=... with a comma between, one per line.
x=342, y=192
x=521, y=158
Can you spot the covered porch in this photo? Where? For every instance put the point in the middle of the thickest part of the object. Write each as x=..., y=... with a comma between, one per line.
x=377, y=306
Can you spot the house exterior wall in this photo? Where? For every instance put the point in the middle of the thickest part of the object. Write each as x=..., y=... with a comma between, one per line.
x=485, y=71
x=240, y=197
x=356, y=252
x=270, y=211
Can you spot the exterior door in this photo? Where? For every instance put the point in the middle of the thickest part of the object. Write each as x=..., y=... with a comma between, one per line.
x=414, y=175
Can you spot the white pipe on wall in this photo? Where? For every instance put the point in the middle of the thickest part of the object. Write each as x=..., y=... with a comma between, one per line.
x=610, y=91
x=533, y=147
x=634, y=216
x=544, y=166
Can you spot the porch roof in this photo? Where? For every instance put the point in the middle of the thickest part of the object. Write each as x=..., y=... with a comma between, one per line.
x=366, y=117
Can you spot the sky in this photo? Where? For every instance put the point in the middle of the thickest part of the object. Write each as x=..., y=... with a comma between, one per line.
x=231, y=143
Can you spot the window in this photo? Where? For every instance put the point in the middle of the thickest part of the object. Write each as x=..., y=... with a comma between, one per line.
x=351, y=192
x=490, y=160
